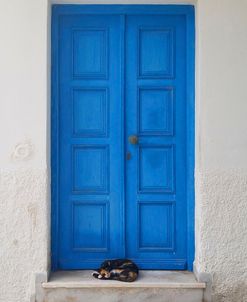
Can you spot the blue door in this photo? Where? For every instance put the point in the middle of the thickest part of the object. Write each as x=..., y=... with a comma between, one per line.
x=120, y=136
x=156, y=115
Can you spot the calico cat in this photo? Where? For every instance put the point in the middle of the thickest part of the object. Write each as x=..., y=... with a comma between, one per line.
x=120, y=269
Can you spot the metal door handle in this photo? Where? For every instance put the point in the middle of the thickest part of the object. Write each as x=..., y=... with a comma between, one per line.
x=133, y=139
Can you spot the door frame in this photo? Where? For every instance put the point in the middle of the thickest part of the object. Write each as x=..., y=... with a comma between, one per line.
x=105, y=9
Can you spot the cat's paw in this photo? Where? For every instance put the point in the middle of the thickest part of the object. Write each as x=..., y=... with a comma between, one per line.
x=96, y=275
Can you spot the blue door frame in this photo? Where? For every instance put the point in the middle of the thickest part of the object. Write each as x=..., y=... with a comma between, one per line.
x=184, y=11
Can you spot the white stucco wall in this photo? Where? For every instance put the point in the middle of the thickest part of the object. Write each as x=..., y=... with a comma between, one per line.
x=221, y=161
x=24, y=224
x=221, y=145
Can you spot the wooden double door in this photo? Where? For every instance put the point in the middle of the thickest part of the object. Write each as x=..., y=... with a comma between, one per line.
x=121, y=150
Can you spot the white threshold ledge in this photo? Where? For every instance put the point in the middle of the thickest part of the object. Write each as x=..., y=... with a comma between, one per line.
x=146, y=279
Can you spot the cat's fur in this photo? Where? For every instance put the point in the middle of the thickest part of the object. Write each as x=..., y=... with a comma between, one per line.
x=120, y=269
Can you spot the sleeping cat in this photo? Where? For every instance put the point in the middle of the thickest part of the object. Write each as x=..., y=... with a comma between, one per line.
x=120, y=269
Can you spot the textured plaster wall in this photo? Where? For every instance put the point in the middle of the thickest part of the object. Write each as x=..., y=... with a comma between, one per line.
x=23, y=233
x=222, y=232
x=221, y=145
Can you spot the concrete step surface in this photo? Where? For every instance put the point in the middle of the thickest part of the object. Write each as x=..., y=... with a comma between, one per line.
x=151, y=286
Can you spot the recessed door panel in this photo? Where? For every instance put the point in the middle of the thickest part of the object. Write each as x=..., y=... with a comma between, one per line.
x=155, y=111
x=155, y=51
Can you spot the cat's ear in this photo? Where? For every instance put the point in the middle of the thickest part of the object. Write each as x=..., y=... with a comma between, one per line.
x=104, y=264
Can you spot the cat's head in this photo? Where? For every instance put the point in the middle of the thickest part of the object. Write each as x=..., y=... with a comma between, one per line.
x=105, y=273
x=102, y=274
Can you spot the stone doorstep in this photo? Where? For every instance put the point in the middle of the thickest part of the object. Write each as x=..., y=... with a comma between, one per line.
x=146, y=279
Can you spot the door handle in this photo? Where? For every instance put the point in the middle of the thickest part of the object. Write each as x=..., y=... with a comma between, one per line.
x=133, y=139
